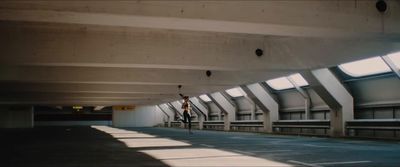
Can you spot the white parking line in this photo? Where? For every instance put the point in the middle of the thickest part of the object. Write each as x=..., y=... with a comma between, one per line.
x=271, y=151
x=319, y=164
x=236, y=137
x=286, y=153
x=303, y=163
x=342, y=163
x=314, y=145
x=206, y=145
x=244, y=152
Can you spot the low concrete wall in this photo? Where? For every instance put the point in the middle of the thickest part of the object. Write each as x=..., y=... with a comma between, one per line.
x=16, y=116
x=143, y=116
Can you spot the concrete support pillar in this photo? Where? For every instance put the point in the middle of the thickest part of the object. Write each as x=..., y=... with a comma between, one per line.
x=16, y=116
x=202, y=111
x=335, y=95
x=167, y=112
x=253, y=107
x=266, y=102
x=177, y=106
x=141, y=116
x=306, y=96
x=392, y=66
x=197, y=104
x=201, y=120
x=228, y=108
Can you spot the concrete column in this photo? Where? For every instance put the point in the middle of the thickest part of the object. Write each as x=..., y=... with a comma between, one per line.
x=201, y=120
x=228, y=108
x=177, y=106
x=141, y=116
x=196, y=103
x=335, y=95
x=392, y=66
x=203, y=115
x=253, y=107
x=266, y=102
x=168, y=113
x=16, y=116
x=306, y=96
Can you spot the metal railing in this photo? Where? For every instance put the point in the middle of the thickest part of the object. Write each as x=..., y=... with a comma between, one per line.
x=306, y=127
x=247, y=126
x=374, y=124
x=374, y=128
x=214, y=125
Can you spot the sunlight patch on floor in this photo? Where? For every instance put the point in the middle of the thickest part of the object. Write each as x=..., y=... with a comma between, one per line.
x=152, y=142
x=111, y=130
x=133, y=139
x=179, y=156
x=131, y=135
x=208, y=157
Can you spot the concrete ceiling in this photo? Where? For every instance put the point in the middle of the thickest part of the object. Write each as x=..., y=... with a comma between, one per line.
x=117, y=53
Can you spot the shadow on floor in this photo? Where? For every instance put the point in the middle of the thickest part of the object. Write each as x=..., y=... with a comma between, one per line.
x=67, y=147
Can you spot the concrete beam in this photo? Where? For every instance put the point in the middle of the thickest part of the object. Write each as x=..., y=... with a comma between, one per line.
x=266, y=102
x=81, y=102
x=103, y=99
x=226, y=107
x=82, y=46
x=128, y=76
x=18, y=87
x=335, y=95
x=111, y=96
x=318, y=18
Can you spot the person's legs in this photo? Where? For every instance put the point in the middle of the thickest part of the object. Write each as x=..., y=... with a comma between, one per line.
x=188, y=120
x=183, y=119
x=190, y=123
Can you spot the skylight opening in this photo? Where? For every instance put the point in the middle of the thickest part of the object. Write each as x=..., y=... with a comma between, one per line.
x=205, y=98
x=298, y=80
x=235, y=92
x=283, y=83
x=370, y=66
x=280, y=83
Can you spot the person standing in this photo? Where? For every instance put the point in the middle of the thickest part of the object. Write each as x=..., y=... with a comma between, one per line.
x=186, y=113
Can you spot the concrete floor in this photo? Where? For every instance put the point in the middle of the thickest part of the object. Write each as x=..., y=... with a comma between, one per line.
x=106, y=146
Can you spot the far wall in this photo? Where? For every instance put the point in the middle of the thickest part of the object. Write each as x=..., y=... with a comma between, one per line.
x=142, y=116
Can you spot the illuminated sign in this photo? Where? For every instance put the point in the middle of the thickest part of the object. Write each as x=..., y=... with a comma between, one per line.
x=123, y=108
x=77, y=108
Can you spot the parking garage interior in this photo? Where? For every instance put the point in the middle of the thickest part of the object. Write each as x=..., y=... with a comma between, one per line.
x=270, y=83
